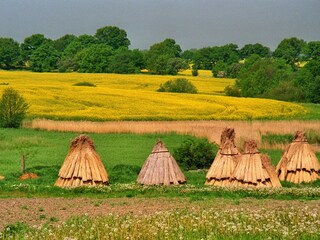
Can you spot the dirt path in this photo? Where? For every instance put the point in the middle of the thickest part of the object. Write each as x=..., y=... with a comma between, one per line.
x=38, y=211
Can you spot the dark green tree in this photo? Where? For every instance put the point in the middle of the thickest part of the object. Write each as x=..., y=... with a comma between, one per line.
x=70, y=57
x=126, y=61
x=113, y=36
x=95, y=58
x=30, y=44
x=256, y=48
x=61, y=43
x=45, y=58
x=13, y=109
x=9, y=53
x=179, y=85
x=164, y=58
x=259, y=77
x=313, y=49
x=290, y=49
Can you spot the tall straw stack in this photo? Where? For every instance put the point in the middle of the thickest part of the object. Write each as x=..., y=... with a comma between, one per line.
x=82, y=166
x=160, y=168
x=225, y=161
x=299, y=163
x=254, y=169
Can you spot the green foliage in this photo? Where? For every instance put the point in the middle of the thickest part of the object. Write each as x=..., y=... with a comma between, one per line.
x=257, y=48
x=276, y=138
x=194, y=71
x=126, y=61
x=44, y=58
x=259, y=76
x=30, y=44
x=13, y=108
x=313, y=49
x=9, y=53
x=113, y=37
x=95, y=58
x=232, y=91
x=61, y=43
x=85, y=84
x=289, y=49
x=195, y=154
x=179, y=85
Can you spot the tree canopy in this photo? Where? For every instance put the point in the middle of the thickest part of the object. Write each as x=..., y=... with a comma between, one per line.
x=9, y=53
x=113, y=37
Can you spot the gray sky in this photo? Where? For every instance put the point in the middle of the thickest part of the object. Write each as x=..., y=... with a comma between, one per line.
x=192, y=23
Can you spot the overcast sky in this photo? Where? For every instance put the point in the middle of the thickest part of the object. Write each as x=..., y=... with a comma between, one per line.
x=192, y=23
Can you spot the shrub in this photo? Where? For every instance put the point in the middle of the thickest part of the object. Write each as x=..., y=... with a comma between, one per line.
x=232, y=91
x=86, y=84
x=13, y=109
x=179, y=85
x=195, y=154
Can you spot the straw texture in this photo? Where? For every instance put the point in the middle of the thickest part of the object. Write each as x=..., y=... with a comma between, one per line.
x=298, y=163
x=225, y=161
x=160, y=168
x=82, y=166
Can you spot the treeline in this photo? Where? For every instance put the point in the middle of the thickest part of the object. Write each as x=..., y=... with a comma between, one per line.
x=259, y=71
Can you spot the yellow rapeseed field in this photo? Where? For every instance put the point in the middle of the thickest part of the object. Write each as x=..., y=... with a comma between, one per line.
x=134, y=97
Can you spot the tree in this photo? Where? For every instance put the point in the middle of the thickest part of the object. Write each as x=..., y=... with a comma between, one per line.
x=126, y=61
x=256, y=48
x=9, y=52
x=313, y=49
x=13, y=109
x=258, y=77
x=30, y=44
x=164, y=58
x=289, y=49
x=45, y=58
x=113, y=36
x=95, y=59
x=61, y=43
x=70, y=56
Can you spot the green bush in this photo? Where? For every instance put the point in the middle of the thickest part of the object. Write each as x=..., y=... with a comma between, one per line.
x=179, y=85
x=86, y=84
x=232, y=91
x=13, y=109
x=195, y=154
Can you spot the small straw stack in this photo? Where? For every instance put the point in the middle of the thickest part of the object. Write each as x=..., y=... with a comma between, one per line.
x=254, y=169
x=160, y=168
x=298, y=163
x=225, y=161
x=82, y=166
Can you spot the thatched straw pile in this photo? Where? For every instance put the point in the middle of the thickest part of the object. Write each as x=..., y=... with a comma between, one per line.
x=160, y=168
x=254, y=169
x=225, y=161
x=82, y=166
x=298, y=163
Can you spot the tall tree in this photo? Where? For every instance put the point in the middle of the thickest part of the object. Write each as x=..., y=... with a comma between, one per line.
x=45, y=58
x=289, y=49
x=61, y=43
x=30, y=44
x=256, y=48
x=95, y=58
x=113, y=36
x=9, y=52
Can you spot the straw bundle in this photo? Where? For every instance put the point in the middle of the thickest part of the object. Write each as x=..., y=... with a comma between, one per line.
x=225, y=161
x=160, y=168
x=254, y=169
x=82, y=166
x=298, y=163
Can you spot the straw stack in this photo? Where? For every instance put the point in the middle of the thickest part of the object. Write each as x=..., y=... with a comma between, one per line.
x=82, y=166
x=160, y=168
x=298, y=163
x=225, y=161
x=254, y=169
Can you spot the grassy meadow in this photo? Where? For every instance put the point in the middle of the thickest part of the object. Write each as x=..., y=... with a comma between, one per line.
x=135, y=97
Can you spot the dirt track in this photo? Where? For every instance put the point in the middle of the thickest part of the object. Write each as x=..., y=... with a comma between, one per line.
x=38, y=211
